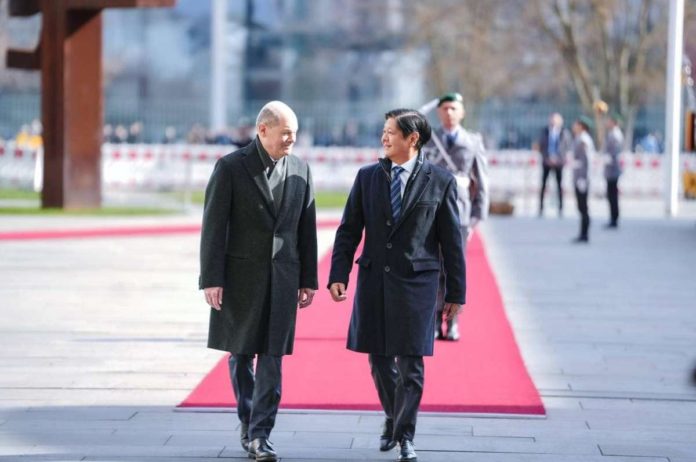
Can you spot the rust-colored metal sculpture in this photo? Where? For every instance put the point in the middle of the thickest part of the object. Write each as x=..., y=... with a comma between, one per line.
x=72, y=103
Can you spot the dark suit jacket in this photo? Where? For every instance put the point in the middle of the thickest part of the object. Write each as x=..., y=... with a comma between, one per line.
x=249, y=249
x=565, y=144
x=394, y=306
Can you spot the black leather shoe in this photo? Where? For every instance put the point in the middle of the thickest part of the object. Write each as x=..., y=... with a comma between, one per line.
x=407, y=452
x=244, y=436
x=581, y=240
x=385, y=440
x=262, y=450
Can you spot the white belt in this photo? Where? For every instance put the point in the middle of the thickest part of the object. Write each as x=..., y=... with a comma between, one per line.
x=463, y=181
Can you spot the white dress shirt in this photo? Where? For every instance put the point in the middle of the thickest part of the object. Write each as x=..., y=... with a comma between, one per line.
x=408, y=167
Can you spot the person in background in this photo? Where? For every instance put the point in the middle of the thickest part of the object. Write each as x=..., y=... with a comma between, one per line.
x=583, y=151
x=462, y=153
x=170, y=135
x=613, y=145
x=135, y=133
x=554, y=142
x=29, y=136
x=407, y=209
x=108, y=134
x=120, y=134
x=196, y=135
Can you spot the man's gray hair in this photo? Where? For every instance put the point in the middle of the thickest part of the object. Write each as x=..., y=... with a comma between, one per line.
x=271, y=113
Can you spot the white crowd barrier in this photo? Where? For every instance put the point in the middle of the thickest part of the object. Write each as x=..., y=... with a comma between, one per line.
x=154, y=167
x=18, y=166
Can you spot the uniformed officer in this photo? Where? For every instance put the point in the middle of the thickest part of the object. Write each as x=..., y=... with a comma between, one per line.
x=613, y=145
x=583, y=151
x=462, y=153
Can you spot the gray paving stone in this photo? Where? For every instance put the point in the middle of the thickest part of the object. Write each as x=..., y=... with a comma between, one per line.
x=609, y=353
x=649, y=449
x=43, y=457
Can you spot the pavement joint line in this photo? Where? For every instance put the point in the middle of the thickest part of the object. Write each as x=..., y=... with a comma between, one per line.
x=676, y=399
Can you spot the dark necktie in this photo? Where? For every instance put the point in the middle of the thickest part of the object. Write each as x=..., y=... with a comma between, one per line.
x=450, y=140
x=396, y=192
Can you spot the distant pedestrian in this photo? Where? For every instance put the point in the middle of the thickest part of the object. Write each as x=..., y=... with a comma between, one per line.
x=135, y=133
x=613, y=145
x=555, y=141
x=120, y=134
x=583, y=151
x=170, y=136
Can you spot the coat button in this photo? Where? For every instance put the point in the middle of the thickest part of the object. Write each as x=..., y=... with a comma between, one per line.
x=387, y=269
x=389, y=245
x=260, y=206
x=388, y=222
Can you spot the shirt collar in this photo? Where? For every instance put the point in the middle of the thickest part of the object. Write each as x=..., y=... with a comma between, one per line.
x=453, y=132
x=409, y=165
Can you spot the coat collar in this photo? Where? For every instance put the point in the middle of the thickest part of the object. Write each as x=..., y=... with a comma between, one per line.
x=291, y=190
x=257, y=171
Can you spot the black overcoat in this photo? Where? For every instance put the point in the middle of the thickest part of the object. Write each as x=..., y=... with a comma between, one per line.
x=394, y=306
x=259, y=256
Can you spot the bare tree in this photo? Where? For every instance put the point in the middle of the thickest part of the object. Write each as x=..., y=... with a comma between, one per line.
x=471, y=49
x=612, y=50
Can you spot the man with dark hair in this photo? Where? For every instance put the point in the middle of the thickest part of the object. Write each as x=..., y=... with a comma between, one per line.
x=259, y=249
x=583, y=151
x=462, y=153
x=554, y=143
x=407, y=208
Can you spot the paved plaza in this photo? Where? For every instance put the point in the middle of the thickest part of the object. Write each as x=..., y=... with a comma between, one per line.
x=101, y=338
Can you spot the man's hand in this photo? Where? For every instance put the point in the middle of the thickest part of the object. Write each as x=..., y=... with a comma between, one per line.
x=213, y=297
x=451, y=310
x=305, y=297
x=338, y=291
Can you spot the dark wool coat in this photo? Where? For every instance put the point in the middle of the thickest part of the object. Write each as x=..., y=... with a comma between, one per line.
x=259, y=256
x=394, y=306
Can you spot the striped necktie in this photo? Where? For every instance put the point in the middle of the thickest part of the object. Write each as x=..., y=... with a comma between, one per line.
x=396, y=192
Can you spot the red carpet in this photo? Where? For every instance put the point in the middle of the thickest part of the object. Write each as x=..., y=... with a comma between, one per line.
x=483, y=372
x=117, y=231
x=121, y=231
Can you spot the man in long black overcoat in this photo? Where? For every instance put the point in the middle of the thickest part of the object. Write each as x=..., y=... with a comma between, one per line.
x=407, y=209
x=258, y=264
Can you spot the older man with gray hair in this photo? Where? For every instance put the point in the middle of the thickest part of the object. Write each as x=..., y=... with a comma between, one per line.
x=258, y=265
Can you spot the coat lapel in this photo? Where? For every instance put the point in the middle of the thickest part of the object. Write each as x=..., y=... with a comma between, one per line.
x=254, y=167
x=290, y=188
x=384, y=191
